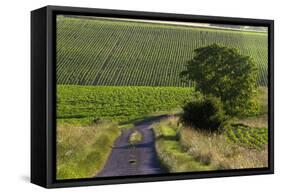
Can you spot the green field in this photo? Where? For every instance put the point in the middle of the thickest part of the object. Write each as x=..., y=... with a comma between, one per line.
x=124, y=103
x=252, y=137
x=116, y=76
x=118, y=53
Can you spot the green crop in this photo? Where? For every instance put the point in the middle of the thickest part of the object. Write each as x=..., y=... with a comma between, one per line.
x=117, y=103
x=113, y=52
x=252, y=137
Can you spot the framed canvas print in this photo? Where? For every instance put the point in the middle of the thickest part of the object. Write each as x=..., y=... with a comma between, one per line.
x=126, y=96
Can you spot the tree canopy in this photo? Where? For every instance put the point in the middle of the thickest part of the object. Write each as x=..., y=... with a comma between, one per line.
x=224, y=73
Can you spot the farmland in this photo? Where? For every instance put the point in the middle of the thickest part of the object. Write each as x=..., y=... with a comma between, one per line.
x=76, y=103
x=109, y=52
x=249, y=136
x=118, y=86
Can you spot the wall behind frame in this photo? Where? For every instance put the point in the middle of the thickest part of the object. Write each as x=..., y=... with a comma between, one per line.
x=15, y=98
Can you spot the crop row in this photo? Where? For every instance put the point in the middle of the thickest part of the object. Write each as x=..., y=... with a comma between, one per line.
x=118, y=103
x=250, y=136
x=119, y=53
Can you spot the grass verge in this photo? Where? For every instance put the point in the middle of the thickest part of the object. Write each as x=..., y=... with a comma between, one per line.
x=83, y=150
x=135, y=137
x=170, y=152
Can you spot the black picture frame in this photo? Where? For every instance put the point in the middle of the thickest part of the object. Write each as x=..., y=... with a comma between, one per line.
x=43, y=95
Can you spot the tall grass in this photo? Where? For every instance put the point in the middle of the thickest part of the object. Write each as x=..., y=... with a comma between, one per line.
x=185, y=149
x=216, y=151
x=83, y=150
x=169, y=150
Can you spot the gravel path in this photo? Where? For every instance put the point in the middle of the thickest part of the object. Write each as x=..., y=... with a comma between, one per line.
x=140, y=159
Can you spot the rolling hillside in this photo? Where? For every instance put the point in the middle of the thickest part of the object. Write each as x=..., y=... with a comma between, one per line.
x=118, y=53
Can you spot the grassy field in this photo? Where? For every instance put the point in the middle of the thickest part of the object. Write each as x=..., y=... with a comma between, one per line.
x=185, y=149
x=122, y=104
x=141, y=54
x=244, y=144
x=83, y=150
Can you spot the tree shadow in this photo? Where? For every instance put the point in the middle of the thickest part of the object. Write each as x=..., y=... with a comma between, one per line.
x=144, y=119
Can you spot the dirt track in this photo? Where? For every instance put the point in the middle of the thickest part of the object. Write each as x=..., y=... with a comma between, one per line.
x=140, y=159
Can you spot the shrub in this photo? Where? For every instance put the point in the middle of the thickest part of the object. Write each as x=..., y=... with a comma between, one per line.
x=205, y=114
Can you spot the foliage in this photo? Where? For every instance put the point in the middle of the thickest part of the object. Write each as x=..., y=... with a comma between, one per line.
x=252, y=137
x=111, y=52
x=225, y=73
x=117, y=103
x=205, y=114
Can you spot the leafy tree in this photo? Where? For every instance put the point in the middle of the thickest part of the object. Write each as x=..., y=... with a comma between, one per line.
x=224, y=73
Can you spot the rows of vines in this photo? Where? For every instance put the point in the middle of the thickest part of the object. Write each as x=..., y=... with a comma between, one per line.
x=119, y=53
